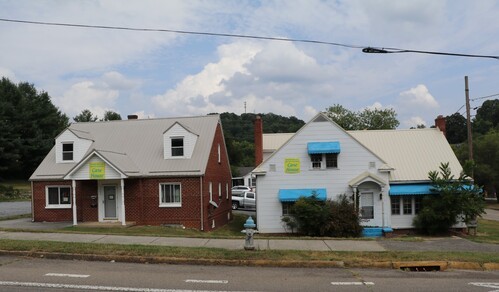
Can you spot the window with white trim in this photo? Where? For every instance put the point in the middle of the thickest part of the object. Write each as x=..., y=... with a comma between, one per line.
x=286, y=208
x=219, y=157
x=407, y=205
x=58, y=197
x=67, y=151
x=367, y=205
x=395, y=201
x=177, y=146
x=316, y=160
x=170, y=195
x=219, y=190
x=227, y=191
x=331, y=160
x=211, y=191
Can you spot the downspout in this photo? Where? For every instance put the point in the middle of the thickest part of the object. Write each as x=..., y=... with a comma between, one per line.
x=75, y=220
x=202, y=206
x=382, y=208
x=32, y=203
x=123, y=220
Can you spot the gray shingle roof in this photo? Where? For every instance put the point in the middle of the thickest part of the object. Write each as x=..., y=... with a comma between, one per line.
x=136, y=147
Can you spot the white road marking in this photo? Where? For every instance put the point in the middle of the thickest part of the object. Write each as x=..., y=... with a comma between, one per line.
x=351, y=283
x=207, y=281
x=93, y=288
x=486, y=285
x=66, y=275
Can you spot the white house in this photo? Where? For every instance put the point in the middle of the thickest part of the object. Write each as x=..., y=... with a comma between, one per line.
x=386, y=169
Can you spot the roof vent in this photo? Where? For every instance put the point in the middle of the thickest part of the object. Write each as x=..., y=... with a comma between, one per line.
x=132, y=117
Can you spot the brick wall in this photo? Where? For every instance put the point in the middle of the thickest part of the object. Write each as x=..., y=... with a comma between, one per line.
x=217, y=173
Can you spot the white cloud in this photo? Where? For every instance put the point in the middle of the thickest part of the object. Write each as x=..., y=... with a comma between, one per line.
x=418, y=96
x=7, y=73
x=414, y=122
x=87, y=95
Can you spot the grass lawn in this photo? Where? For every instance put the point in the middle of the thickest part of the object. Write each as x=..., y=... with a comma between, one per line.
x=15, y=190
x=492, y=205
x=487, y=232
x=218, y=255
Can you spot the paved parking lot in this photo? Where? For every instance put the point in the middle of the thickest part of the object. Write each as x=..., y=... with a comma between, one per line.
x=8, y=209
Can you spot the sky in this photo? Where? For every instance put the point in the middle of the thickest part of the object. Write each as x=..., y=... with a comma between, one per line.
x=161, y=74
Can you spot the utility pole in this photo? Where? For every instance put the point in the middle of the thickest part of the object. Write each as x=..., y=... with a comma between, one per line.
x=468, y=122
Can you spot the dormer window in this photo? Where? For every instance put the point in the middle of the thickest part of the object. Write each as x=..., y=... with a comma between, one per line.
x=67, y=151
x=178, y=146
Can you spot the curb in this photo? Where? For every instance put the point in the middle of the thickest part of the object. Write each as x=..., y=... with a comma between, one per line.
x=442, y=265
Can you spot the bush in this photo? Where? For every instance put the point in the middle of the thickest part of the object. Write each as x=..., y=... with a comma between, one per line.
x=455, y=200
x=314, y=217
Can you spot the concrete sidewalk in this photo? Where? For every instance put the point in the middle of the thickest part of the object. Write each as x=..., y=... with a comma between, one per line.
x=430, y=244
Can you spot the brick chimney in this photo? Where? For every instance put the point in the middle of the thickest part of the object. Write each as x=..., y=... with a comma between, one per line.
x=440, y=124
x=258, y=141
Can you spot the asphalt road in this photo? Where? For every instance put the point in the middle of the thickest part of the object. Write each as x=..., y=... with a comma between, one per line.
x=8, y=209
x=30, y=274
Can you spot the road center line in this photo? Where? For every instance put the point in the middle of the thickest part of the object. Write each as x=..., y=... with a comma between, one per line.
x=207, y=281
x=351, y=283
x=66, y=275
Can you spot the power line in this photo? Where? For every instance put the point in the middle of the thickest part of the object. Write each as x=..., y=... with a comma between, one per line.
x=182, y=32
x=364, y=48
x=483, y=97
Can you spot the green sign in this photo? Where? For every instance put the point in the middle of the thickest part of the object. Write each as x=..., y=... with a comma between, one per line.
x=292, y=165
x=97, y=170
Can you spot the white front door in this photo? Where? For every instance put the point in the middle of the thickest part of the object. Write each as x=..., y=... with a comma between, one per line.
x=110, y=202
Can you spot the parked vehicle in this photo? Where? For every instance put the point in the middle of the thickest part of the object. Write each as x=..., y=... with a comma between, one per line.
x=239, y=190
x=246, y=200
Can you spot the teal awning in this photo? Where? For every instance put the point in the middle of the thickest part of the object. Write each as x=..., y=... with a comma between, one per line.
x=292, y=195
x=323, y=147
x=411, y=189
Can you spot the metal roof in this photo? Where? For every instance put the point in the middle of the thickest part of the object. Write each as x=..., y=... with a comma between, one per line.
x=272, y=142
x=136, y=147
x=412, y=153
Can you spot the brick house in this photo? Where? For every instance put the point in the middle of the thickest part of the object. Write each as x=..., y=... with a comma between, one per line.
x=172, y=171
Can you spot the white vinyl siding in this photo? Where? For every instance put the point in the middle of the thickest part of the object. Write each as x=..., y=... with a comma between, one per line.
x=80, y=147
x=353, y=160
x=83, y=173
x=188, y=140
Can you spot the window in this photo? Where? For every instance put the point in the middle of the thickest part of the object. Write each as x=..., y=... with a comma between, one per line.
x=178, y=146
x=367, y=205
x=211, y=191
x=332, y=160
x=170, y=195
x=407, y=205
x=316, y=161
x=227, y=191
x=58, y=197
x=417, y=204
x=219, y=153
x=219, y=190
x=395, y=205
x=67, y=151
x=286, y=208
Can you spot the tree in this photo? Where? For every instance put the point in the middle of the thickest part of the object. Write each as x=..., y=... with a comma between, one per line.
x=29, y=122
x=85, y=116
x=454, y=199
x=455, y=128
x=368, y=119
x=111, y=116
x=487, y=116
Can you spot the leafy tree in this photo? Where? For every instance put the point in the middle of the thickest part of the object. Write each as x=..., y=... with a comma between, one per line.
x=311, y=215
x=111, y=116
x=85, y=116
x=487, y=116
x=456, y=129
x=454, y=199
x=368, y=119
x=29, y=122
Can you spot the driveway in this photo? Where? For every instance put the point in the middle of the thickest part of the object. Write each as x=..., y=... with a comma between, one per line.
x=491, y=214
x=8, y=209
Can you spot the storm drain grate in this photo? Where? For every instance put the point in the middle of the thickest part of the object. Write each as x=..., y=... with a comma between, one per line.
x=420, y=268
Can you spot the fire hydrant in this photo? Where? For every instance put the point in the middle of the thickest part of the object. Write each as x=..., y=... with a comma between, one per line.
x=249, y=230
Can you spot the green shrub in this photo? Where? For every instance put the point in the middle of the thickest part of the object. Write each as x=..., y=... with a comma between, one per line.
x=314, y=217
